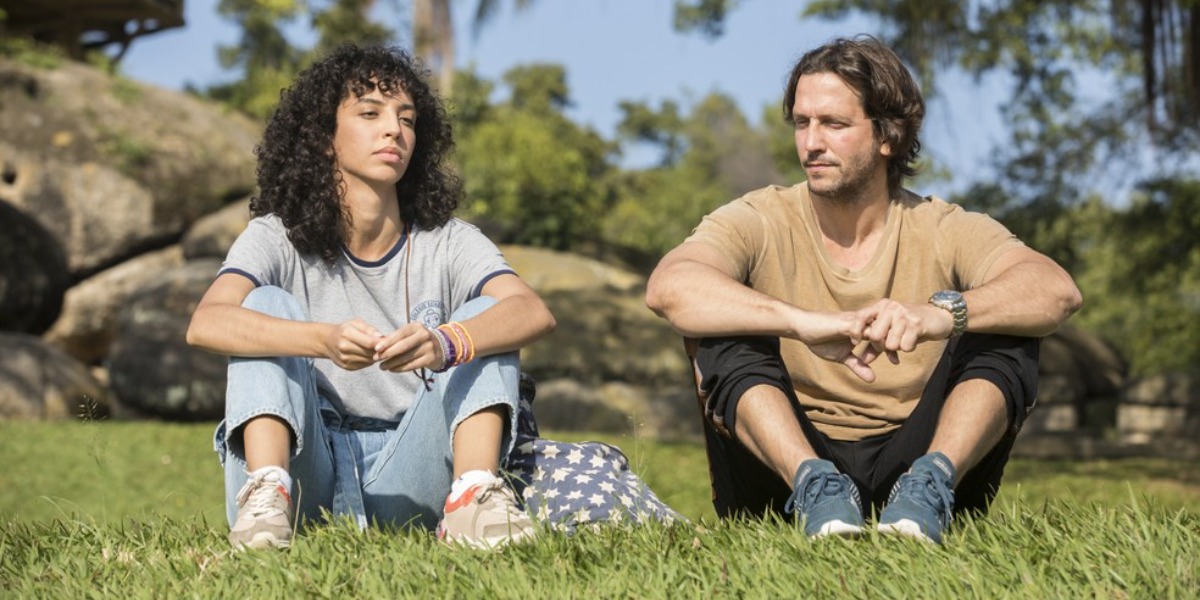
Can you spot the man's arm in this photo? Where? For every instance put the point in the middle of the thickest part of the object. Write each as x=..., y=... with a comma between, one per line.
x=699, y=297
x=1024, y=293
x=693, y=290
x=220, y=324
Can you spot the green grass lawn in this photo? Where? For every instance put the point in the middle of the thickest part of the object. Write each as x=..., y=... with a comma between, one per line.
x=136, y=509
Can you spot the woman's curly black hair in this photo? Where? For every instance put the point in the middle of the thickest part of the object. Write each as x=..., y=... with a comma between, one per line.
x=298, y=178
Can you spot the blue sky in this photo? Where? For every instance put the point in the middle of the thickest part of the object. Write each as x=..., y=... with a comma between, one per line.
x=617, y=50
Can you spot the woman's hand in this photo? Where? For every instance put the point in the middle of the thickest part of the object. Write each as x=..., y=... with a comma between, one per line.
x=351, y=345
x=409, y=348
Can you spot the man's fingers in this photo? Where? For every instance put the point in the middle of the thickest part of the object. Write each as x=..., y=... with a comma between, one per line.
x=870, y=353
x=860, y=368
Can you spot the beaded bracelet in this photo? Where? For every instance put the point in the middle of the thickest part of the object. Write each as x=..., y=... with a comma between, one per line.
x=449, y=352
x=456, y=341
x=461, y=351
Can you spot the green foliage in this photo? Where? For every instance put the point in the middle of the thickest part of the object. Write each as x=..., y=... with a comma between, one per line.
x=709, y=157
x=528, y=169
x=347, y=21
x=266, y=59
x=781, y=140
x=662, y=128
x=126, y=91
x=1141, y=276
x=129, y=153
x=150, y=523
x=705, y=16
x=31, y=53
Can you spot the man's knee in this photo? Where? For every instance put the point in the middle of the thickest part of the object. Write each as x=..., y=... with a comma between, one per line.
x=1008, y=362
x=730, y=367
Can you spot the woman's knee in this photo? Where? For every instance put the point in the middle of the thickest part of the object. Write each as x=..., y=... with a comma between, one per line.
x=276, y=302
x=473, y=307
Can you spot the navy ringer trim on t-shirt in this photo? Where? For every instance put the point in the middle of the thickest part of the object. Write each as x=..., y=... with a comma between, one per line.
x=479, y=288
x=252, y=278
x=382, y=261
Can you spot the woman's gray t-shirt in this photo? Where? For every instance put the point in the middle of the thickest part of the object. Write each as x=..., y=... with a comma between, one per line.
x=449, y=266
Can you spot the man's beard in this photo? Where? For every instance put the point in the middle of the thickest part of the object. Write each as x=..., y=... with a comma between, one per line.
x=851, y=188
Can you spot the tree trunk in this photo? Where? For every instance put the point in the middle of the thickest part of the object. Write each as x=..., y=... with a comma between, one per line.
x=433, y=40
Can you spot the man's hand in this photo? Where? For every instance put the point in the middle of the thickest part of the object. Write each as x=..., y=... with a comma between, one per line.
x=892, y=327
x=888, y=327
x=409, y=348
x=351, y=345
x=833, y=337
x=843, y=352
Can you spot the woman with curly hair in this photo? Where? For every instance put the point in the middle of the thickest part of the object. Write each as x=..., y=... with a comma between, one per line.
x=373, y=338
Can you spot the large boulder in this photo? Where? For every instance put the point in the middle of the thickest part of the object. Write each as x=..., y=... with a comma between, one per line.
x=619, y=408
x=1158, y=407
x=151, y=366
x=612, y=363
x=40, y=382
x=112, y=166
x=98, y=214
x=1087, y=358
x=89, y=317
x=213, y=235
x=1081, y=379
x=605, y=332
x=33, y=272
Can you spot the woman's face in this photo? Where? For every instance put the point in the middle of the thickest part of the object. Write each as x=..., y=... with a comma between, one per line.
x=375, y=138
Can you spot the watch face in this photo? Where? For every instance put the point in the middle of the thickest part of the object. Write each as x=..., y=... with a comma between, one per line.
x=946, y=296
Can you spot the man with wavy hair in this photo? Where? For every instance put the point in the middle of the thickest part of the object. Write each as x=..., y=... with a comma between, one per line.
x=789, y=295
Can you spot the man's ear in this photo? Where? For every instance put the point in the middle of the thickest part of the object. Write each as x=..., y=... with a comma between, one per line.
x=885, y=149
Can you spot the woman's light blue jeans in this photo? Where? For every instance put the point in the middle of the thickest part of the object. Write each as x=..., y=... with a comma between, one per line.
x=396, y=477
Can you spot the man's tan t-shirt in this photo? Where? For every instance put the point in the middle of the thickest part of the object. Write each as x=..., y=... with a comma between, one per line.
x=773, y=245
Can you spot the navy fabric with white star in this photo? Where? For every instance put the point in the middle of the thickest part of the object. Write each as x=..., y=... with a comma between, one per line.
x=571, y=484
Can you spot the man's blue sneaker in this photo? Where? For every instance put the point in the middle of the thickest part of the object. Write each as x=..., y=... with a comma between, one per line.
x=922, y=501
x=825, y=500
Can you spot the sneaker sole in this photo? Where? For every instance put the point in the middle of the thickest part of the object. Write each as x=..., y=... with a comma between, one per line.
x=262, y=541
x=840, y=529
x=905, y=528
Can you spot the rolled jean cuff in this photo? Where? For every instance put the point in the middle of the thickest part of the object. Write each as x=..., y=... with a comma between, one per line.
x=499, y=366
x=223, y=444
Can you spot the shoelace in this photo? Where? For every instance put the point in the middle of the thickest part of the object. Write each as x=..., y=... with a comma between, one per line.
x=816, y=487
x=498, y=487
x=924, y=485
x=259, y=496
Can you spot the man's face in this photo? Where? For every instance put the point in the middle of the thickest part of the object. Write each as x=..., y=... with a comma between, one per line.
x=375, y=137
x=835, y=140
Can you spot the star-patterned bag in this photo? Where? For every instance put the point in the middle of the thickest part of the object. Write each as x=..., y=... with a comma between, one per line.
x=571, y=484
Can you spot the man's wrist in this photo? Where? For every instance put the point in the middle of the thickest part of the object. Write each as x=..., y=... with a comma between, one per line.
x=952, y=302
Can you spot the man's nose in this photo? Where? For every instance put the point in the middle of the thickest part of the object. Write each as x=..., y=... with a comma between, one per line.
x=812, y=138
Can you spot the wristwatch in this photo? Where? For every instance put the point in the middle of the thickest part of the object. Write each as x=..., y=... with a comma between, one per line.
x=953, y=302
